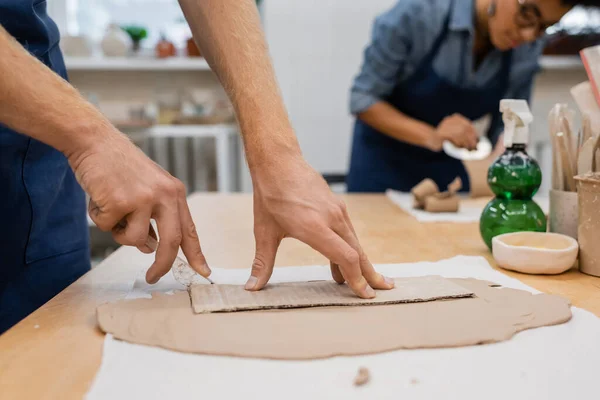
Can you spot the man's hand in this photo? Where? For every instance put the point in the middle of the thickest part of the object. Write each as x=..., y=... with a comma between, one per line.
x=126, y=190
x=293, y=200
x=459, y=131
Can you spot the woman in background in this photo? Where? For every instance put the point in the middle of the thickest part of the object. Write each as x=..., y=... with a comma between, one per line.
x=433, y=67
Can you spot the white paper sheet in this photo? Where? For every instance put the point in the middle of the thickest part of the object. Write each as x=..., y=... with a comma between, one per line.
x=559, y=362
x=466, y=213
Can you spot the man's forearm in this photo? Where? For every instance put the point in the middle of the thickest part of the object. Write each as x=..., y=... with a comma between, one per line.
x=37, y=102
x=392, y=122
x=230, y=36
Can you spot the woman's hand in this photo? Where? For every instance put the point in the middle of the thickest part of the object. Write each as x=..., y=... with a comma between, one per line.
x=459, y=131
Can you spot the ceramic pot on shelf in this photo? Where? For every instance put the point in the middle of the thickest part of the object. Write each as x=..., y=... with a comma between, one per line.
x=115, y=42
x=76, y=46
x=164, y=48
x=192, y=48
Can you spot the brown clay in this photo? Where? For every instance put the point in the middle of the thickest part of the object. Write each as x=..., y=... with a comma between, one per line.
x=442, y=203
x=588, y=229
x=455, y=185
x=428, y=197
x=427, y=187
x=362, y=377
x=494, y=315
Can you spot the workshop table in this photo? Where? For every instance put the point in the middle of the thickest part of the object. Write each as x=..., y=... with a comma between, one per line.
x=56, y=351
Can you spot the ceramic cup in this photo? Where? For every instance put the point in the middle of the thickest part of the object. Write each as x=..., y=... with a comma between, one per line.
x=588, y=190
x=564, y=212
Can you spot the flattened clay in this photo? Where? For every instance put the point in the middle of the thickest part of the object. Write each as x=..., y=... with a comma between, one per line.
x=496, y=314
x=229, y=298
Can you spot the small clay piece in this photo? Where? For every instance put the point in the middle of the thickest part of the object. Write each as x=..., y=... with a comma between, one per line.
x=455, y=185
x=363, y=377
x=427, y=196
x=427, y=187
x=443, y=203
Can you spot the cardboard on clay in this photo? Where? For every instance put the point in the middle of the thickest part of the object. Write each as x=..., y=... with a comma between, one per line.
x=494, y=315
x=231, y=298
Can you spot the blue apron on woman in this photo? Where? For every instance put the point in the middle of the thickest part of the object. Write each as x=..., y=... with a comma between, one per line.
x=380, y=162
x=44, y=239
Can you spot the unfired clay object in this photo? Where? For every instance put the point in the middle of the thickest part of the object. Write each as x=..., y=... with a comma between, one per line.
x=496, y=314
x=428, y=197
x=588, y=232
x=439, y=203
x=427, y=187
x=535, y=252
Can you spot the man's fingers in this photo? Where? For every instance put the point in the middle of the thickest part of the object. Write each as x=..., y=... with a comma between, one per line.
x=267, y=243
x=133, y=230
x=374, y=278
x=189, y=240
x=336, y=273
x=169, y=229
x=105, y=220
x=328, y=243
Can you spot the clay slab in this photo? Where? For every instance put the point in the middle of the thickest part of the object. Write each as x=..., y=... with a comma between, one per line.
x=494, y=315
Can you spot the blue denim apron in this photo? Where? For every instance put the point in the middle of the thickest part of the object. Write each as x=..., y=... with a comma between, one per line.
x=379, y=162
x=44, y=238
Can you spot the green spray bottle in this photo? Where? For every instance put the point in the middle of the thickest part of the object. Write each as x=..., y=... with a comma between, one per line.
x=514, y=178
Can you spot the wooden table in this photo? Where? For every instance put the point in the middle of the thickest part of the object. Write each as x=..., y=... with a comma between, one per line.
x=56, y=351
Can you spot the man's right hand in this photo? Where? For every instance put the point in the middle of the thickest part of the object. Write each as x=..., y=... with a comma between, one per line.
x=126, y=190
x=458, y=130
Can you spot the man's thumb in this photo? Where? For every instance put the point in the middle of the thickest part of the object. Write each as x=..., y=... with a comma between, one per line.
x=264, y=260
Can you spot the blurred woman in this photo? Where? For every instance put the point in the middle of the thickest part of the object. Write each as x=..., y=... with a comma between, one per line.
x=433, y=67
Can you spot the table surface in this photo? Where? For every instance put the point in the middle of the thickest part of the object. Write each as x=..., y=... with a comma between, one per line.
x=56, y=351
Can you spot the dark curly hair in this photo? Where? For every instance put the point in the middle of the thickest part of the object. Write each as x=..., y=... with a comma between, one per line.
x=584, y=3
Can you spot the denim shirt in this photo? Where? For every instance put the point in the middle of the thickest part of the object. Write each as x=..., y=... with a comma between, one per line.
x=403, y=36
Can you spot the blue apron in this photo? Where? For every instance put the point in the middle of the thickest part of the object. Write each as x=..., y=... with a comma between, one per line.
x=379, y=162
x=44, y=238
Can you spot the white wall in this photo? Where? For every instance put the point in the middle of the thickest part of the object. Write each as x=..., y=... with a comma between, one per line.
x=317, y=50
x=317, y=47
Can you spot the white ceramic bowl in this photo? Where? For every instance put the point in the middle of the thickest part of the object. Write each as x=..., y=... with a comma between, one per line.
x=535, y=252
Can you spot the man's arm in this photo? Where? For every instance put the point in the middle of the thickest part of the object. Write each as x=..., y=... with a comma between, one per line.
x=290, y=198
x=125, y=187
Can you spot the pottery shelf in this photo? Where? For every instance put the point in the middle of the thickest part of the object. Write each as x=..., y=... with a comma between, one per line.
x=223, y=134
x=136, y=64
x=561, y=62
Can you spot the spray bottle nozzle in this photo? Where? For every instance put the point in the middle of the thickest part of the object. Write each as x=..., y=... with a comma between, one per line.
x=516, y=117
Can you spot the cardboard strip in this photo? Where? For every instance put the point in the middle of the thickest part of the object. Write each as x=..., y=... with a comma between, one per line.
x=230, y=298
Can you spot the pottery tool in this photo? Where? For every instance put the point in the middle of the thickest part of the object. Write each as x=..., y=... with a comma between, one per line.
x=584, y=98
x=565, y=162
x=182, y=271
x=569, y=151
x=591, y=61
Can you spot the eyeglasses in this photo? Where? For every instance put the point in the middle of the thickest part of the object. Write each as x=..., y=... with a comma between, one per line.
x=529, y=16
